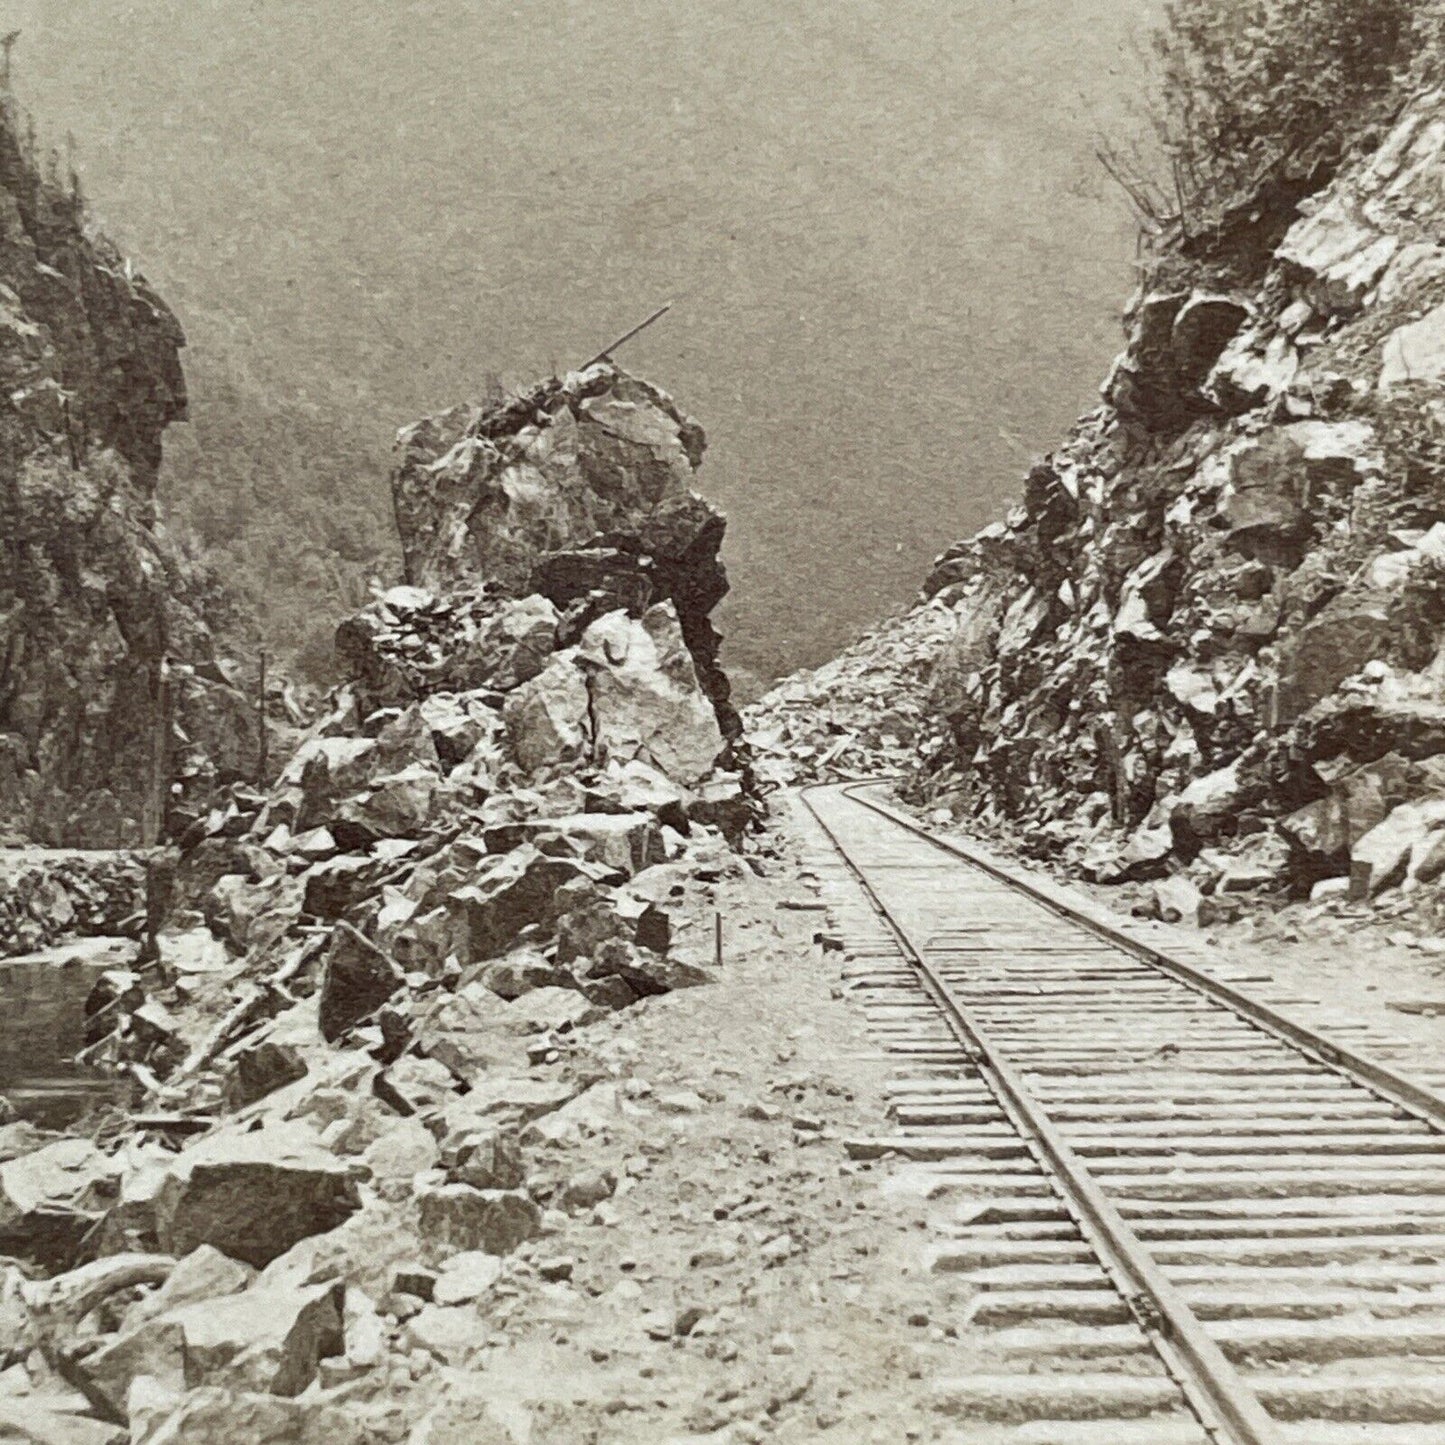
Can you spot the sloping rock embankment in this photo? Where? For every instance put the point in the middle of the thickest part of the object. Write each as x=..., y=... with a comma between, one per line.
x=1207, y=642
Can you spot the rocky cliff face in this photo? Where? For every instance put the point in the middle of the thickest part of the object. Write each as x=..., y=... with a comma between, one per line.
x=93, y=595
x=1209, y=637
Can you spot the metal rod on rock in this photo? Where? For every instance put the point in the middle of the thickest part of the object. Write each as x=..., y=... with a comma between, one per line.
x=606, y=353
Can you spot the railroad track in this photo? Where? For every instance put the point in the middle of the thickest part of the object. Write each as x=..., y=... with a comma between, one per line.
x=1176, y=1217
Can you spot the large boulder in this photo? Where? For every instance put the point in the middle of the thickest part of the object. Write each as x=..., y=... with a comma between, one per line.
x=1324, y=832
x=1175, y=339
x=333, y=887
x=203, y=1274
x=628, y=692
x=646, y=704
x=399, y=805
x=1207, y=807
x=1358, y=627
x=51, y=1199
x=269, y=1338
x=1380, y=858
x=458, y=722
x=581, y=487
x=512, y=892
x=1337, y=255
x=252, y=1195
x=646, y=973
x=1264, y=504
x=521, y=972
x=549, y=717
x=356, y=979
x=1415, y=352
x=327, y=769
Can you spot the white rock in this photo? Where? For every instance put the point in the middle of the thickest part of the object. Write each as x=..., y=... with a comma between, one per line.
x=449, y=1333
x=646, y=701
x=1415, y=352
x=548, y=717
x=466, y=1277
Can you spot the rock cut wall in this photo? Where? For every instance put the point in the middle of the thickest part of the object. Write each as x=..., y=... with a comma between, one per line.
x=1210, y=634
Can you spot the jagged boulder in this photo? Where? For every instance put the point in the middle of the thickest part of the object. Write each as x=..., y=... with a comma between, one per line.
x=627, y=693
x=397, y=805
x=1264, y=504
x=1379, y=858
x=1207, y=807
x=269, y=1338
x=1325, y=831
x=580, y=494
x=356, y=979
x=1415, y=352
x=646, y=704
x=510, y=893
x=1176, y=337
x=644, y=971
x=624, y=842
x=509, y=978
x=51, y=1199
x=512, y=646
x=1353, y=630
x=252, y=1195
x=548, y=718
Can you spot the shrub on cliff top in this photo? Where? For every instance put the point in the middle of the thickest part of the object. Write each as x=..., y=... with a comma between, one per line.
x=1257, y=90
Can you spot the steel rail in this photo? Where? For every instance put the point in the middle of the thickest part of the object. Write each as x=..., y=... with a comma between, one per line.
x=1213, y=1387
x=1394, y=1088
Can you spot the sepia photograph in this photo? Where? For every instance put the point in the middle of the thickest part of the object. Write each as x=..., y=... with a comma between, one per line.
x=722, y=723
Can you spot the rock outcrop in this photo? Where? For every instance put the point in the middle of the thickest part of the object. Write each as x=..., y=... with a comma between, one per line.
x=1213, y=625
x=577, y=497
x=95, y=599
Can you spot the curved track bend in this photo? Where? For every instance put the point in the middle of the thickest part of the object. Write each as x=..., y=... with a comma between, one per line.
x=1180, y=1216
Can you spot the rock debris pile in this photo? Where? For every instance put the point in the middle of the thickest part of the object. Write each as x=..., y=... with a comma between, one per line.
x=1207, y=644
x=865, y=714
x=48, y=895
x=508, y=827
x=578, y=494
